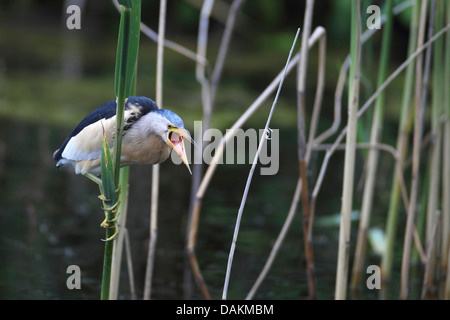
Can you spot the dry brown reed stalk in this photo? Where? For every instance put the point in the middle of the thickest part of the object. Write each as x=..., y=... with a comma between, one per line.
x=416, y=159
x=301, y=128
x=200, y=74
x=155, y=168
x=428, y=290
x=437, y=96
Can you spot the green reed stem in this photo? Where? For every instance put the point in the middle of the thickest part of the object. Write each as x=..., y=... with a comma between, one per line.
x=350, y=147
x=127, y=51
x=402, y=145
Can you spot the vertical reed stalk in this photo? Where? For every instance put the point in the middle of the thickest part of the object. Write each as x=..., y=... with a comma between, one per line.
x=155, y=168
x=427, y=288
x=445, y=246
x=436, y=147
x=349, y=166
x=402, y=145
x=123, y=198
x=416, y=159
x=372, y=163
x=200, y=74
x=301, y=84
x=118, y=248
x=127, y=51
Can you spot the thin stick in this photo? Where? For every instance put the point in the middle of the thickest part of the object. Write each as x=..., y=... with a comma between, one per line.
x=250, y=176
x=347, y=193
x=155, y=168
x=296, y=198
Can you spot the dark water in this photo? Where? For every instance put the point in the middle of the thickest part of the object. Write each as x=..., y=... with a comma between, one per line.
x=49, y=220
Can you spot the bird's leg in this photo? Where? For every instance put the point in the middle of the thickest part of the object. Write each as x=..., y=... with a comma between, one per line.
x=94, y=178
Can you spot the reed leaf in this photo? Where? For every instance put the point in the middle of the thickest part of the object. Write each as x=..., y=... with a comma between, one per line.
x=127, y=51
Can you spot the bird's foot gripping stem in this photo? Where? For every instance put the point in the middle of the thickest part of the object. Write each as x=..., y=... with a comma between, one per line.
x=111, y=223
x=111, y=214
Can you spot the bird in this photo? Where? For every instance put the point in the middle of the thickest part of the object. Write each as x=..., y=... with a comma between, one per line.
x=149, y=135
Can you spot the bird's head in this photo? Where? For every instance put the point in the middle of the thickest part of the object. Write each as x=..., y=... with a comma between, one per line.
x=173, y=132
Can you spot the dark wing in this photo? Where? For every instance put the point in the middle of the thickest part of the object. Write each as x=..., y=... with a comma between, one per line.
x=107, y=111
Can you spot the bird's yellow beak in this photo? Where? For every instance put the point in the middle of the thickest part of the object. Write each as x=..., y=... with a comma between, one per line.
x=175, y=139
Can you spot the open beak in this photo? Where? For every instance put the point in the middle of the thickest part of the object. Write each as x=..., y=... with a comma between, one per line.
x=175, y=139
